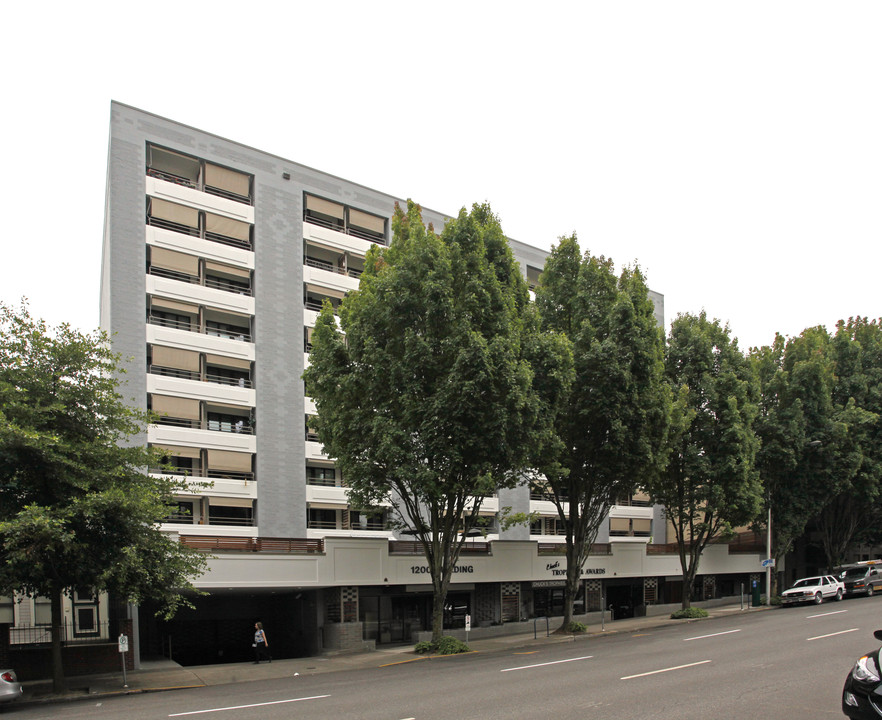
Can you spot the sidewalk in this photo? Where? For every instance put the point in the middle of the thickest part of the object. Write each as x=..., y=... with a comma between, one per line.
x=161, y=675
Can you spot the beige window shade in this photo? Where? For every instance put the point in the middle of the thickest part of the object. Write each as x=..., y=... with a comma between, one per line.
x=174, y=358
x=228, y=270
x=158, y=303
x=366, y=221
x=171, y=260
x=641, y=496
x=642, y=524
x=227, y=408
x=172, y=212
x=326, y=506
x=325, y=207
x=228, y=362
x=230, y=318
x=229, y=180
x=229, y=460
x=619, y=524
x=176, y=407
x=227, y=227
x=179, y=451
x=231, y=502
x=174, y=163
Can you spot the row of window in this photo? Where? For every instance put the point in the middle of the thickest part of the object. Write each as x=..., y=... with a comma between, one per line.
x=192, y=317
x=190, y=413
x=193, y=365
x=200, y=462
x=197, y=223
x=191, y=269
x=192, y=172
x=344, y=219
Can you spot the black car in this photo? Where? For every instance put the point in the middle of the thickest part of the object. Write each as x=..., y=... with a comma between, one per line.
x=862, y=580
x=862, y=694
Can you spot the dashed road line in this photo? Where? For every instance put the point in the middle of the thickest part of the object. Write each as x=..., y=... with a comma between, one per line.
x=664, y=670
x=702, y=637
x=243, y=707
x=554, y=662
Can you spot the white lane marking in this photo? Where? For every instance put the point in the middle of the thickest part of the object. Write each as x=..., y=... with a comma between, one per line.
x=832, y=612
x=242, y=707
x=841, y=632
x=555, y=662
x=664, y=670
x=702, y=637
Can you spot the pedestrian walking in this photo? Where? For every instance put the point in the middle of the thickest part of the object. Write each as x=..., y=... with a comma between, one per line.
x=260, y=645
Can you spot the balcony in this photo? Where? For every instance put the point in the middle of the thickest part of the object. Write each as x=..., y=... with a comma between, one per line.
x=192, y=325
x=185, y=220
x=267, y=545
x=195, y=173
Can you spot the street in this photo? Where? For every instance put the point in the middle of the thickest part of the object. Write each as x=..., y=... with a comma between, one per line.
x=788, y=663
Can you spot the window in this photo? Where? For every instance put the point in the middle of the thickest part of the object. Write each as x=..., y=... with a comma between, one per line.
x=326, y=476
x=193, y=172
x=344, y=219
x=42, y=611
x=181, y=512
x=223, y=511
x=322, y=519
x=7, y=609
x=533, y=277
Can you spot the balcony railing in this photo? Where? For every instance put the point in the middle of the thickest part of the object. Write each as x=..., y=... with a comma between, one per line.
x=187, y=182
x=231, y=521
x=415, y=547
x=269, y=545
x=210, y=474
x=227, y=286
x=346, y=230
x=223, y=380
x=330, y=267
x=193, y=326
x=173, y=372
x=196, y=232
x=561, y=549
x=172, y=275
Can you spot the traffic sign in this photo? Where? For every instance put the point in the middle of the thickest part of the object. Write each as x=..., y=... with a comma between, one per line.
x=123, y=643
x=769, y=562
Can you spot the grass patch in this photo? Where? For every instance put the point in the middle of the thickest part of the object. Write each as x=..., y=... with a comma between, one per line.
x=689, y=613
x=445, y=646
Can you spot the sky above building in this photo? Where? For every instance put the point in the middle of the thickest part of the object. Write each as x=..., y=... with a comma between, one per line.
x=731, y=149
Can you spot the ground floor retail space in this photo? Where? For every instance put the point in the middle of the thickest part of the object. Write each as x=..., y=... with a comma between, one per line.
x=304, y=622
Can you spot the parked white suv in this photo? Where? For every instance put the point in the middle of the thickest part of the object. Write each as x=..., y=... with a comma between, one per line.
x=813, y=589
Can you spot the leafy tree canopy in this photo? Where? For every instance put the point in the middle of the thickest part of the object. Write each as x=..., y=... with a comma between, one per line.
x=426, y=402
x=608, y=405
x=77, y=509
x=710, y=485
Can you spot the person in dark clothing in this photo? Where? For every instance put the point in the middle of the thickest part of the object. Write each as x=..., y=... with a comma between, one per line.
x=261, y=646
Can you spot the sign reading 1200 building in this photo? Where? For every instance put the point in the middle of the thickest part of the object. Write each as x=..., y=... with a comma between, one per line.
x=424, y=569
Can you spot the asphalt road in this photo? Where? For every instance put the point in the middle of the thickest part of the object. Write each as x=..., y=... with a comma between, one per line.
x=787, y=664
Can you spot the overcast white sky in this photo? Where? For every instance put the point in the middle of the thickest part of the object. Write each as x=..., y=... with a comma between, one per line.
x=732, y=149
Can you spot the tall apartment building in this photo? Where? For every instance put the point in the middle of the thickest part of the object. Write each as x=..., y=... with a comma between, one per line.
x=216, y=260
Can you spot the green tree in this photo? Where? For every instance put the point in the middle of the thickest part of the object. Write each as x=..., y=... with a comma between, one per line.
x=610, y=410
x=426, y=403
x=710, y=484
x=856, y=351
x=77, y=509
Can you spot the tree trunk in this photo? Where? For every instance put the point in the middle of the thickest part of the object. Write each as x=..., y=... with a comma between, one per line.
x=58, y=682
x=574, y=573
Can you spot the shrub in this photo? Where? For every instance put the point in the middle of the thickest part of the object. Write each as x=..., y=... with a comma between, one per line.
x=576, y=627
x=688, y=613
x=445, y=646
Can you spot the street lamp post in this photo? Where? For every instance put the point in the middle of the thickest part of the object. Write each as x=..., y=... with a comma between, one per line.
x=769, y=555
